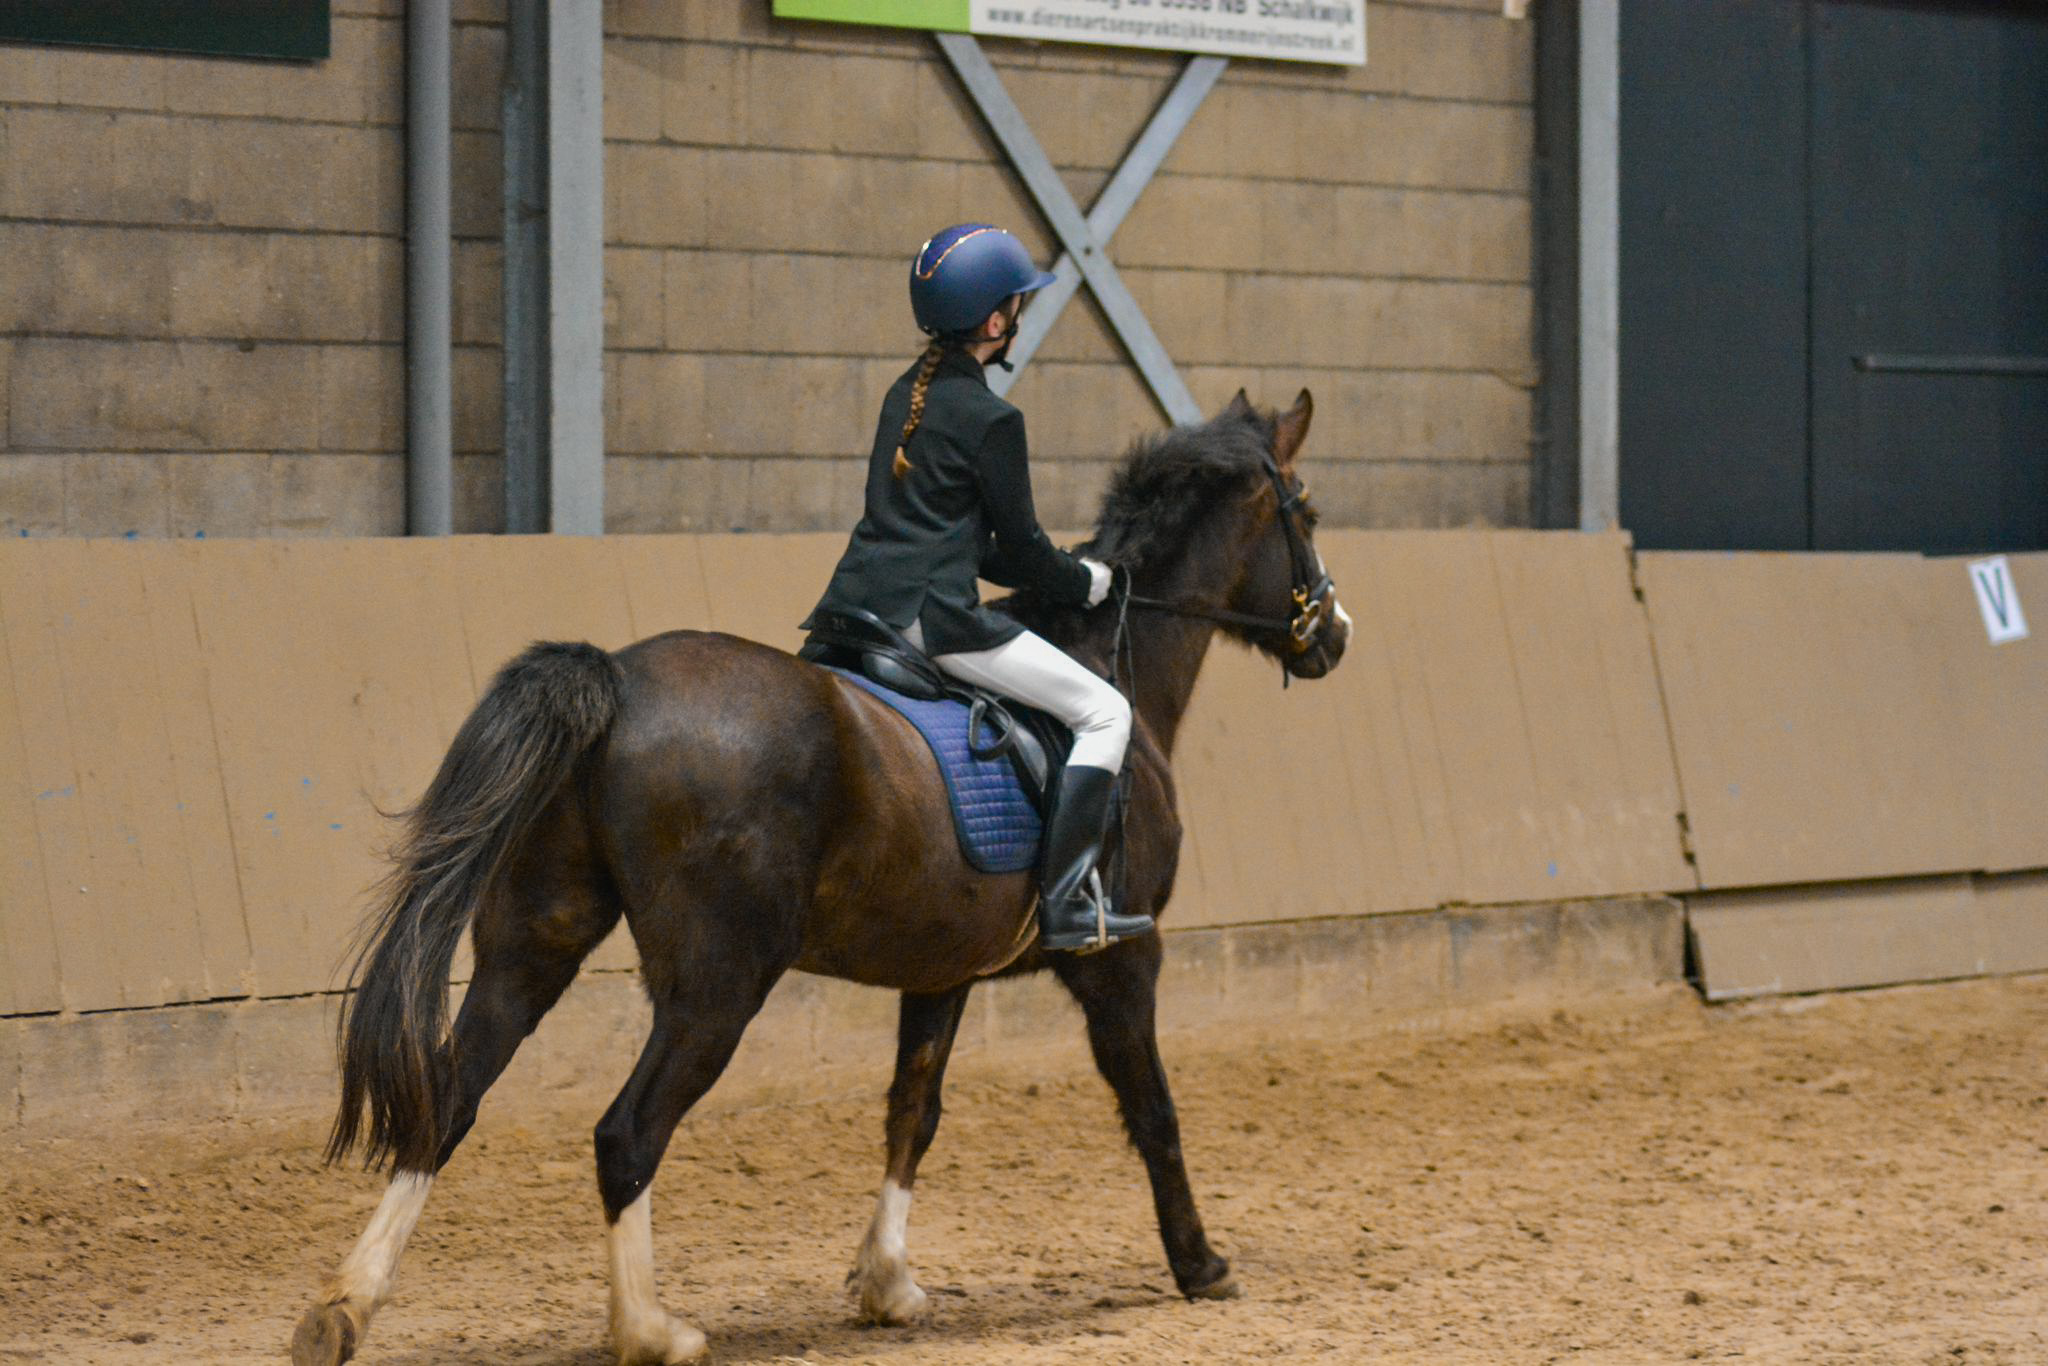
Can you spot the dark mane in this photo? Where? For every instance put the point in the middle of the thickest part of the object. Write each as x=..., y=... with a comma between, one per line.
x=1169, y=480
x=1164, y=485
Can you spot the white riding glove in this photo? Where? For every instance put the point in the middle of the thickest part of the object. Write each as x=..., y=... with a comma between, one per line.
x=1098, y=581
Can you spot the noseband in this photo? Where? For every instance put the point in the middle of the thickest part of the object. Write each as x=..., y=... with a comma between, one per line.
x=1312, y=582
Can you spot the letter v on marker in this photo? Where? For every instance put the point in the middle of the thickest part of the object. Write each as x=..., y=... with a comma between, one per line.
x=1994, y=589
x=1998, y=600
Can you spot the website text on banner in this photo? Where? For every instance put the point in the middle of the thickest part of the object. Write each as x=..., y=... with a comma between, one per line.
x=1285, y=30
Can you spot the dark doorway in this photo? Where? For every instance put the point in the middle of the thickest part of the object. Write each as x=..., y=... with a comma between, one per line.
x=1834, y=274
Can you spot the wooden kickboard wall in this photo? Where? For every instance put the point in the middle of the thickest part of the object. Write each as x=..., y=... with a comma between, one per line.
x=1492, y=735
x=1844, y=718
x=1847, y=716
x=196, y=737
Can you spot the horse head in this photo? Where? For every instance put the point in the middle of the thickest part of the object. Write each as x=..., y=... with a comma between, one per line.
x=1212, y=521
x=1283, y=588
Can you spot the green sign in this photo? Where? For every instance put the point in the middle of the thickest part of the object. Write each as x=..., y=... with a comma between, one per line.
x=944, y=16
x=1283, y=30
x=227, y=28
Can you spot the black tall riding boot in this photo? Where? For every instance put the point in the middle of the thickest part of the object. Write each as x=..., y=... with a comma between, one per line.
x=1069, y=915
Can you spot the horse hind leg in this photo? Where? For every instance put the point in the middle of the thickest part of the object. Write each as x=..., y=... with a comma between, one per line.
x=528, y=948
x=334, y=1327
x=689, y=1046
x=880, y=1279
x=738, y=945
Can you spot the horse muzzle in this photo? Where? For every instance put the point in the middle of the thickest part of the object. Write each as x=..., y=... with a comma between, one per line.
x=1320, y=633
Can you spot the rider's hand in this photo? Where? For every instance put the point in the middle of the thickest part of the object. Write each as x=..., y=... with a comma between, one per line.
x=1099, y=579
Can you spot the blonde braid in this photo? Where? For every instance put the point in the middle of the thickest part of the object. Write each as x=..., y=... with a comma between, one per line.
x=933, y=354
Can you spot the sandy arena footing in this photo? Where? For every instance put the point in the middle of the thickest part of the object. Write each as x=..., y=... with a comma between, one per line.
x=1853, y=1178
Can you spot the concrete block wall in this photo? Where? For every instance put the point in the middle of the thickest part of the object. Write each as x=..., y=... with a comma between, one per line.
x=204, y=276
x=818, y=1037
x=201, y=289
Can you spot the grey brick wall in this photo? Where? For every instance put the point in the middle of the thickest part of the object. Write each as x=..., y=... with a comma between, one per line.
x=204, y=268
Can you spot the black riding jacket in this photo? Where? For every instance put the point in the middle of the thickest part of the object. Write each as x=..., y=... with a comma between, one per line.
x=963, y=510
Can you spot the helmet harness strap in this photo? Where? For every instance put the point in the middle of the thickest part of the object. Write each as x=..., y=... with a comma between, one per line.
x=963, y=340
x=1002, y=357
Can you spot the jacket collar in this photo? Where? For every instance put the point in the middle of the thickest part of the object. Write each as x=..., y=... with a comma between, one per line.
x=958, y=362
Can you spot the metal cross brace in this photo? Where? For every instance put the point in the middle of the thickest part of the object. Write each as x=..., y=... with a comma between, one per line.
x=1086, y=239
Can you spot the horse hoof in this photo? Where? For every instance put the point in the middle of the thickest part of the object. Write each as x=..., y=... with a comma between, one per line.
x=1223, y=1287
x=672, y=1344
x=892, y=1306
x=327, y=1336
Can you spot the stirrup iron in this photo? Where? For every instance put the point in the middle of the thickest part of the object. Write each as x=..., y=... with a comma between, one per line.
x=1100, y=900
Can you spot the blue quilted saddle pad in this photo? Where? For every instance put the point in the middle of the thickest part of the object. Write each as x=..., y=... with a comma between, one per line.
x=999, y=829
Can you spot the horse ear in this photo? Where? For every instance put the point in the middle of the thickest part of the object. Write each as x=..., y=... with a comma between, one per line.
x=1238, y=406
x=1293, y=429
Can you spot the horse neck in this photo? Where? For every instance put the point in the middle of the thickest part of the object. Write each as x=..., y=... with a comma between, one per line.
x=1167, y=653
x=1167, y=649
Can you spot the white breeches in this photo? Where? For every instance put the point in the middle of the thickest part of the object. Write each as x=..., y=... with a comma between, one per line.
x=1032, y=670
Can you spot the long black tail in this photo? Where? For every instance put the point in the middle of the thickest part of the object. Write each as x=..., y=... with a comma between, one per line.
x=542, y=712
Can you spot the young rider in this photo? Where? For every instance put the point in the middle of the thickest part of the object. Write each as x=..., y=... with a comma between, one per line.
x=949, y=498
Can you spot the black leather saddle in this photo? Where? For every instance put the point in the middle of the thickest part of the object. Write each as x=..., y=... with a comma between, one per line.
x=1035, y=743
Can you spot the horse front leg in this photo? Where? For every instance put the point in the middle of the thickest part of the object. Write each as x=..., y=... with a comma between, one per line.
x=1117, y=989
x=880, y=1278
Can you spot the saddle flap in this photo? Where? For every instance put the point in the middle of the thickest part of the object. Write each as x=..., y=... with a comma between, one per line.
x=1010, y=737
x=861, y=643
x=998, y=825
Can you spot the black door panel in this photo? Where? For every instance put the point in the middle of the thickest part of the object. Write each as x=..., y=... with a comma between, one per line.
x=1713, y=274
x=1834, y=307
x=1930, y=244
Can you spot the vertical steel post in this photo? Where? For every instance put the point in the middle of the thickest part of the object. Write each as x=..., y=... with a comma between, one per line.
x=1599, y=265
x=554, y=268
x=575, y=227
x=429, y=357
x=525, y=267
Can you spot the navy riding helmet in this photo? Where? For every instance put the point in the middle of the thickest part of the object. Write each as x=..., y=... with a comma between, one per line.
x=959, y=277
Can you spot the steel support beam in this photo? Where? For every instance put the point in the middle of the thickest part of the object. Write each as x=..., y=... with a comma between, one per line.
x=1599, y=265
x=1196, y=80
x=1085, y=259
x=576, y=267
x=429, y=337
x=525, y=268
x=554, y=268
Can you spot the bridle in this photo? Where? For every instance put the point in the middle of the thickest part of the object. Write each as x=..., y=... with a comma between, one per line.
x=1312, y=584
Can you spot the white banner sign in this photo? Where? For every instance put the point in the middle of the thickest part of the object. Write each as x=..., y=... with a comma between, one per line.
x=1290, y=30
x=1286, y=30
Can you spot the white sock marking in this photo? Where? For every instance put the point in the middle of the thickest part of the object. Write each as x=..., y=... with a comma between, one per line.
x=881, y=1272
x=370, y=1272
x=641, y=1329
x=635, y=1306
x=888, y=1234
